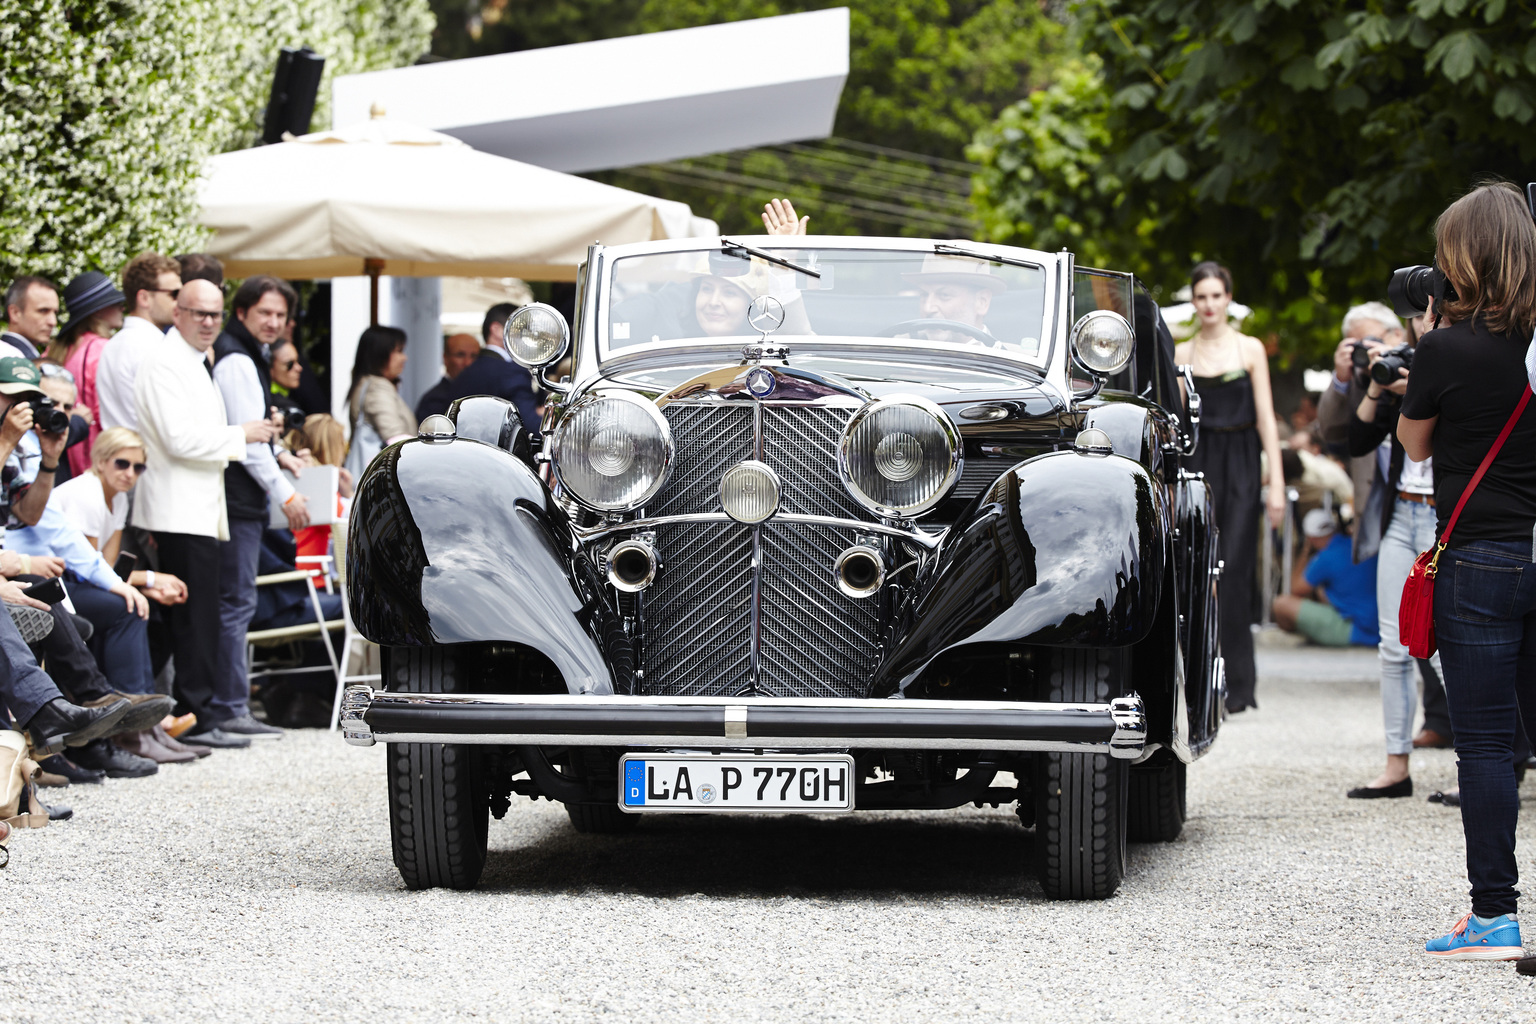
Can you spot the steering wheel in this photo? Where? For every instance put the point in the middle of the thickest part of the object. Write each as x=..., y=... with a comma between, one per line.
x=925, y=324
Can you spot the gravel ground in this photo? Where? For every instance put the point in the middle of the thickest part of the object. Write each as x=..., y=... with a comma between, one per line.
x=259, y=883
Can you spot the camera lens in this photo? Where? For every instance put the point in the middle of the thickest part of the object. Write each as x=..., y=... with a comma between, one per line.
x=1360, y=356
x=1384, y=372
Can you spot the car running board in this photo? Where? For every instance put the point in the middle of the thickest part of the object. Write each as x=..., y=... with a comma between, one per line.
x=1117, y=728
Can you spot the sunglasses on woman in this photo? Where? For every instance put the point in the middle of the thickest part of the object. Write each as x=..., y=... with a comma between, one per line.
x=288, y=364
x=124, y=464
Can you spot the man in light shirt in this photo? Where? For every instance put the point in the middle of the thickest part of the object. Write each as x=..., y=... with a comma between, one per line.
x=151, y=282
x=188, y=442
x=241, y=372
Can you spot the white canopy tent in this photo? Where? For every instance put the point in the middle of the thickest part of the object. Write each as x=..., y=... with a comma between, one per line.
x=417, y=202
x=386, y=198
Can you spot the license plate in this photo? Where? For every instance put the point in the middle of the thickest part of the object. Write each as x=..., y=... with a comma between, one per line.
x=703, y=782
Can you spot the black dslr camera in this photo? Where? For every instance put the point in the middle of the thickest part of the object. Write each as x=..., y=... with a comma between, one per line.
x=47, y=418
x=293, y=418
x=1384, y=371
x=1411, y=288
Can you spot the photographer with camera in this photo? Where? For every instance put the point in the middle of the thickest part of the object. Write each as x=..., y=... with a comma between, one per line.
x=1466, y=398
x=1401, y=510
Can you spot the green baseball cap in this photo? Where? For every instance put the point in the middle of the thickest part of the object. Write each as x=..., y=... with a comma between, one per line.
x=19, y=377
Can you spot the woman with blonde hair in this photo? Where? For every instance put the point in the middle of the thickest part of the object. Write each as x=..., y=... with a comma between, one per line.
x=96, y=504
x=321, y=442
x=1467, y=397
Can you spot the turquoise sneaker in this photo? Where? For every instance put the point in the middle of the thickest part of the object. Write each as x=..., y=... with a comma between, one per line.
x=1477, y=938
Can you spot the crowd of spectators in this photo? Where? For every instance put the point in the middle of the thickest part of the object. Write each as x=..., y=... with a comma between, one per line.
x=151, y=428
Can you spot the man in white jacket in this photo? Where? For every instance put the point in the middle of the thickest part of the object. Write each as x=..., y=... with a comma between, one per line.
x=187, y=444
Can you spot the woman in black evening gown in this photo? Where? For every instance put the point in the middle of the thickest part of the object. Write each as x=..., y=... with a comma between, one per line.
x=1237, y=421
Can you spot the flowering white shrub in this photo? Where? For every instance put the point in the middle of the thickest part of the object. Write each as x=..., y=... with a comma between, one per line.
x=109, y=107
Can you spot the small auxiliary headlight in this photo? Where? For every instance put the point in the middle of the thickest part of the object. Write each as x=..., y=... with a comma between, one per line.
x=749, y=492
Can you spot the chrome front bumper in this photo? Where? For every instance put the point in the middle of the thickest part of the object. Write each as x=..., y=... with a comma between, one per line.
x=1118, y=728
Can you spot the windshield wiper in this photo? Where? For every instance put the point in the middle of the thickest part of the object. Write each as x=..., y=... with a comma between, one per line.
x=945, y=249
x=731, y=248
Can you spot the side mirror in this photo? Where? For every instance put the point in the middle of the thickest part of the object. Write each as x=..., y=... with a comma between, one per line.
x=538, y=336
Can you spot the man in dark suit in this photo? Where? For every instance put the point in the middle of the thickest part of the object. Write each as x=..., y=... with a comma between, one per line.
x=492, y=373
x=459, y=350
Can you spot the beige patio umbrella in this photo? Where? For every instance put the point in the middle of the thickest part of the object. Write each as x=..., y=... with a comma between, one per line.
x=384, y=197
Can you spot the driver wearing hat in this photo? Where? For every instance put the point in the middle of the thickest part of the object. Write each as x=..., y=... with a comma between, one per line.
x=957, y=289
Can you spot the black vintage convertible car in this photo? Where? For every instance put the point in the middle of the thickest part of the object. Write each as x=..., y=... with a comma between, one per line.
x=812, y=525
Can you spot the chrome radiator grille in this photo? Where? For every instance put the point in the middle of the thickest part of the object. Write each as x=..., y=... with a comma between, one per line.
x=709, y=440
x=816, y=641
x=800, y=443
x=697, y=624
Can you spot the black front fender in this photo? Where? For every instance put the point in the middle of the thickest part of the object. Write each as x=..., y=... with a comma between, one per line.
x=455, y=541
x=1063, y=550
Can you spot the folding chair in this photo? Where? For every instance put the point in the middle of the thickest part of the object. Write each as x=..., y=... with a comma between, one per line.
x=283, y=635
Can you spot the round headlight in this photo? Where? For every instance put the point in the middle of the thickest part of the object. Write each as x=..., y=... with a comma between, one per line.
x=900, y=455
x=749, y=492
x=1103, y=341
x=536, y=335
x=612, y=451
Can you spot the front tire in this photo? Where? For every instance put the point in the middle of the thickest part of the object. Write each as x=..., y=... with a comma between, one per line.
x=439, y=812
x=1080, y=799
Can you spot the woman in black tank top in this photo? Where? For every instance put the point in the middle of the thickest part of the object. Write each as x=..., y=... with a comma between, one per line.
x=1237, y=421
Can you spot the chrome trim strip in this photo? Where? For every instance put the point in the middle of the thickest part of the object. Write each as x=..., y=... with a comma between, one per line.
x=820, y=723
x=930, y=541
x=755, y=629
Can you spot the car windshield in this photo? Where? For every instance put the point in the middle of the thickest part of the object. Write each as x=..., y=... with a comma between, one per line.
x=941, y=297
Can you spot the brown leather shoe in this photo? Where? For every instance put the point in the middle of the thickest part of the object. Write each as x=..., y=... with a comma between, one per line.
x=170, y=743
x=143, y=744
x=178, y=725
x=1432, y=739
x=146, y=709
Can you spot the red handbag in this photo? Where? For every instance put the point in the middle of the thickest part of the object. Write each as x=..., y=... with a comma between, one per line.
x=1416, y=614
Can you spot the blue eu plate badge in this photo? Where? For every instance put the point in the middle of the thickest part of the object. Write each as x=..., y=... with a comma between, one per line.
x=634, y=783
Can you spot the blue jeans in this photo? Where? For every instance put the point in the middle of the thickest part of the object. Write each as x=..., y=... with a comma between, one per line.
x=120, y=640
x=1485, y=620
x=1411, y=532
x=24, y=688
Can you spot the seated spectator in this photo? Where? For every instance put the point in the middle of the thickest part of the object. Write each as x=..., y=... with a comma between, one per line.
x=96, y=504
x=59, y=385
x=321, y=443
x=1332, y=600
x=1316, y=478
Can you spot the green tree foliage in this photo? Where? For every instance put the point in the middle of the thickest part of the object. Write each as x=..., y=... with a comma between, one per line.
x=108, y=109
x=924, y=76
x=1307, y=144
